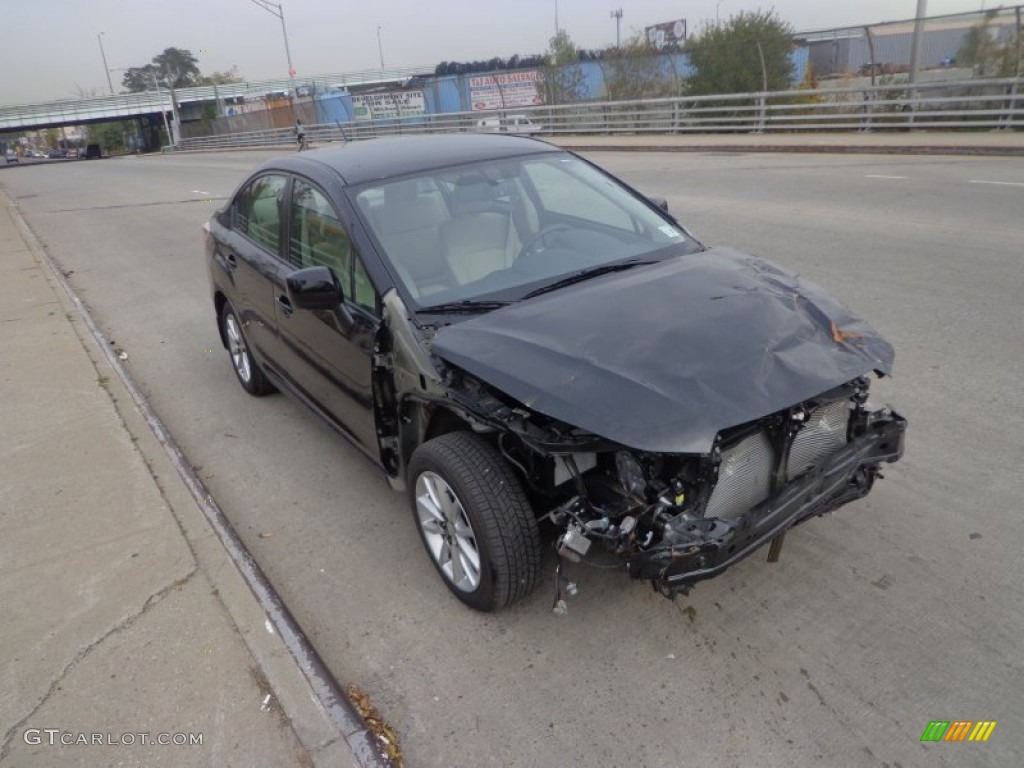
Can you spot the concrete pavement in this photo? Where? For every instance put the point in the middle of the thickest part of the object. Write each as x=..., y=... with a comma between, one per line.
x=129, y=636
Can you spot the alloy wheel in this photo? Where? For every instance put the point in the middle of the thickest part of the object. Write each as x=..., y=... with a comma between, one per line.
x=447, y=531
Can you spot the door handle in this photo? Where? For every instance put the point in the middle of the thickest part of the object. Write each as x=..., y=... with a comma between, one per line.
x=285, y=305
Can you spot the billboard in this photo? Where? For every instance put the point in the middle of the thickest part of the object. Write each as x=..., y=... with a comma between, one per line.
x=500, y=90
x=667, y=33
x=377, y=106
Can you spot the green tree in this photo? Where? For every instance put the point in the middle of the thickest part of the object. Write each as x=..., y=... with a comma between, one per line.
x=984, y=51
x=138, y=79
x=726, y=58
x=222, y=78
x=561, y=77
x=637, y=70
x=176, y=67
x=110, y=136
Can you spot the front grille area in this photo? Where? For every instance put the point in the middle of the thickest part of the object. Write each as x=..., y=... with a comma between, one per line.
x=744, y=477
x=746, y=469
x=822, y=435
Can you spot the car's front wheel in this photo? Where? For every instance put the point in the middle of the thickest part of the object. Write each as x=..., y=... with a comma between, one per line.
x=475, y=520
x=249, y=374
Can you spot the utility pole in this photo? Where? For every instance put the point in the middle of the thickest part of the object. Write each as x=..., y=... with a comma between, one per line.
x=915, y=50
x=556, y=18
x=617, y=15
x=106, y=69
x=270, y=7
x=380, y=47
x=163, y=112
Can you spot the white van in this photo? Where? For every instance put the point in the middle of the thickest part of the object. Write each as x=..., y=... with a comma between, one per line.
x=509, y=124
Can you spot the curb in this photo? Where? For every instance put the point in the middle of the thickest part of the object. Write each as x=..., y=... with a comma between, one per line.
x=303, y=679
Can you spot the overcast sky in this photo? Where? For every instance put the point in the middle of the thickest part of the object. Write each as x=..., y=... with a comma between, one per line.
x=49, y=49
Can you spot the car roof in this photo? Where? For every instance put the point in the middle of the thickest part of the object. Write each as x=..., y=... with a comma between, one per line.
x=360, y=161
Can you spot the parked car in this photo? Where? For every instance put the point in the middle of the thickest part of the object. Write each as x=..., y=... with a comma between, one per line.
x=11, y=156
x=92, y=151
x=529, y=347
x=510, y=124
x=57, y=153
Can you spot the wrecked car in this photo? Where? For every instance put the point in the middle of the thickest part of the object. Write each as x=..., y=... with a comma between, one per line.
x=534, y=351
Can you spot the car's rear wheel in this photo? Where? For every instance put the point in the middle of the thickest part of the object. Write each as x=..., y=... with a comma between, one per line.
x=250, y=376
x=475, y=520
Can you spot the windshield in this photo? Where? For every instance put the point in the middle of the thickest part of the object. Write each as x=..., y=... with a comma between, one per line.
x=500, y=230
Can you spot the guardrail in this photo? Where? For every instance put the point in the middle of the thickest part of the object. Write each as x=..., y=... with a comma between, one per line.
x=974, y=104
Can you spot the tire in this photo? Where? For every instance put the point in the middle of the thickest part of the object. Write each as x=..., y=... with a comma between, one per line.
x=466, y=498
x=249, y=374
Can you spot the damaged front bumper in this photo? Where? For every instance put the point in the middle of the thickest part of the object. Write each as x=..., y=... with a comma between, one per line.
x=707, y=547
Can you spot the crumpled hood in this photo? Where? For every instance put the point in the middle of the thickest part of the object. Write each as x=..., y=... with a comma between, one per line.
x=661, y=358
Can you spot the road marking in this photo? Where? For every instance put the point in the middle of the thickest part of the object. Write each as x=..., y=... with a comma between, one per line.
x=199, y=192
x=1000, y=183
x=880, y=176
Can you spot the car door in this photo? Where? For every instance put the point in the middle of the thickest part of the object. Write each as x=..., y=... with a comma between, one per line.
x=329, y=353
x=251, y=249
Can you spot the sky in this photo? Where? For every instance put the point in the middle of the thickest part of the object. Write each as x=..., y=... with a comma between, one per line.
x=49, y=48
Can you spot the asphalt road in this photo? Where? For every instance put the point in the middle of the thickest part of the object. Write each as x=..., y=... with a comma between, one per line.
x=900, y=609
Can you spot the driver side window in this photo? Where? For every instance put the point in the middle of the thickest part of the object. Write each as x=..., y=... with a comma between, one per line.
x=319, y=238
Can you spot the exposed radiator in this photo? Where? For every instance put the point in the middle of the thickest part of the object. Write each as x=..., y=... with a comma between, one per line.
x=822, y=435
x=744, y=477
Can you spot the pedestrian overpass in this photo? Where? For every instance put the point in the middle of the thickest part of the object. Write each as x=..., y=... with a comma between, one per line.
x=53, y=114
x=150, y=104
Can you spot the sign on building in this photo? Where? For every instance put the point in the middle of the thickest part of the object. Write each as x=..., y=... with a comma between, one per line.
x=500, y=90
x=377, y=106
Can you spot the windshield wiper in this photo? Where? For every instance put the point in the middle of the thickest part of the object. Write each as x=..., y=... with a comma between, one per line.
x=466, y=305
x=586, y=274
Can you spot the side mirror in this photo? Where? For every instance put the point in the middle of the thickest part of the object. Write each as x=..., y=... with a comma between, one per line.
x=314, y=288
x=661, y=202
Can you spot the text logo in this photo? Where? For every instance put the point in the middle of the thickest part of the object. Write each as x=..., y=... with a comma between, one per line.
x=958, y=730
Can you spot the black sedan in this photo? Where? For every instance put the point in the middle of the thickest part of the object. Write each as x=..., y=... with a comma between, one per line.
x=531, y=349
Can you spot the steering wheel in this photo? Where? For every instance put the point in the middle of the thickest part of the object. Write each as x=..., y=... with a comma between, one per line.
x=540, y=238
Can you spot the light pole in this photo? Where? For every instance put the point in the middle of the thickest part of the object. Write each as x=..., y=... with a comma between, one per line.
x=915, y=46
x=617, y=15
x=556, y=18
x=270, y=7
x=380, y=46
x=106, y=69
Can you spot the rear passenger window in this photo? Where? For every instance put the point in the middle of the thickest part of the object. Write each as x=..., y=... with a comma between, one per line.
x=257, y=212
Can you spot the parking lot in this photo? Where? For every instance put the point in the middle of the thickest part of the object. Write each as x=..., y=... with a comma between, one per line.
x=898, y=610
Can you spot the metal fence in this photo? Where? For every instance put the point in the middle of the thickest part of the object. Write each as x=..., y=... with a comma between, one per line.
x=974, y=104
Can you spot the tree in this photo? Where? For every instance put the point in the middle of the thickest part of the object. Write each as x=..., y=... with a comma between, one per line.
x=726, y=58
x=985, y=53
x=222, y=78
x=637, y=70
x=561, y=78
x=175, y=67
x=178, y=67
x=138, y=79
x=110, y=136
